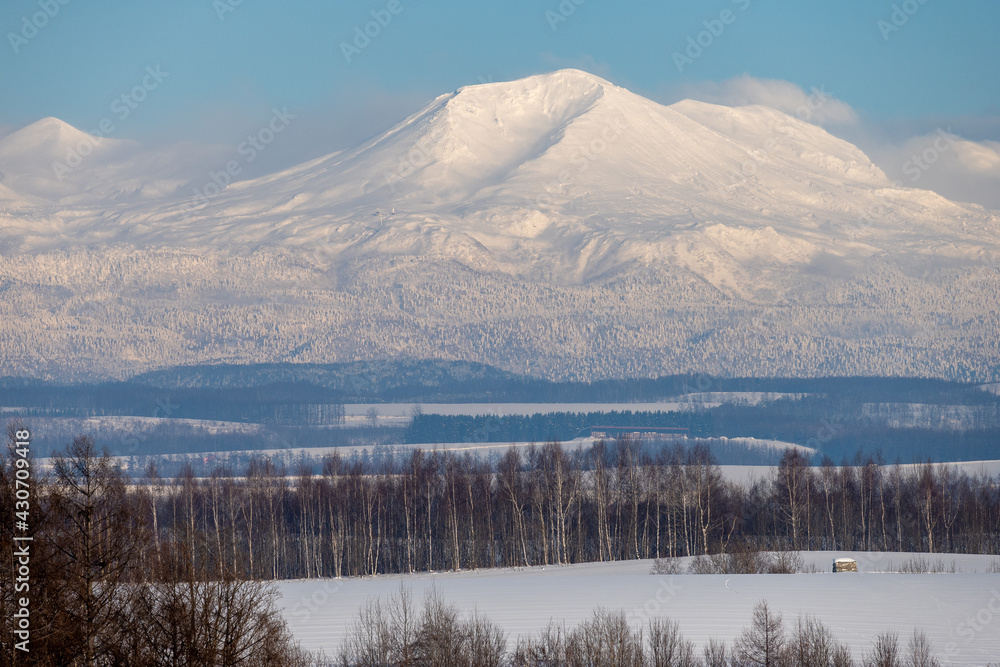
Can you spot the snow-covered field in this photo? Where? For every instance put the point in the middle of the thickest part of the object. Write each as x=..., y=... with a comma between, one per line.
x=388, y=413
x=742, y=474
x=959, y=612
x=489, y=450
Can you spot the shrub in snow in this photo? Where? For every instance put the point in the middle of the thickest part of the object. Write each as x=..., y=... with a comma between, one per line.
x=749, y=561
x=667, y=566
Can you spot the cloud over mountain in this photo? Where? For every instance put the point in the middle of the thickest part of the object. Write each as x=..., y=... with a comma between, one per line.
x=816, y=105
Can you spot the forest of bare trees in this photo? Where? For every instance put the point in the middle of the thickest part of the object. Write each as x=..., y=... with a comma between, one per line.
x=104, y=584
x=545, y=504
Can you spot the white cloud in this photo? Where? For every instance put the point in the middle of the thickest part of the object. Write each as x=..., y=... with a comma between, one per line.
x=817, y=105
x=983, y=157
x=917, y=153
x=941, y=161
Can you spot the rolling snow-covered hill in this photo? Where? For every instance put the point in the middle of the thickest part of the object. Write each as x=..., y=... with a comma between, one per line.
x=322, y=612
x=557, y=224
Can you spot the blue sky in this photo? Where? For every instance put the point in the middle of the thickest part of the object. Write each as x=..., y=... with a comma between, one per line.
x=929, y=64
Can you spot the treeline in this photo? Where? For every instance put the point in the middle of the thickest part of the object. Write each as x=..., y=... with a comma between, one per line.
x=178, y=437
x=544, y=504
x=396, y=632
x=281, y=404
x=307, y=394
x=88, y=578
x=543, y=427
x=438, y=381
x=837, y=428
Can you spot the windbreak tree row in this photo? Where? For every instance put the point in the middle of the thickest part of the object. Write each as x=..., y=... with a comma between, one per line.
x=537, y=505
x=398, y=631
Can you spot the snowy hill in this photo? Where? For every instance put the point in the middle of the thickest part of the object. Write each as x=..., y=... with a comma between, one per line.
x=555, y=224
x=321, y=612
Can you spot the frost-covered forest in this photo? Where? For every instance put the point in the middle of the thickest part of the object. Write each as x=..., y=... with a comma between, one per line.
x=88, y=314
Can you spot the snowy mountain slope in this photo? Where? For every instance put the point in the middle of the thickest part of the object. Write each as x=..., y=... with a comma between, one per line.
x=55, y=162
x=565, y=218
x=11, y=199
x=565, y=165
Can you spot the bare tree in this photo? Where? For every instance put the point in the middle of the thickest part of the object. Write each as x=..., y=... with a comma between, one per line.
x=885, y=651
x=368, y=643
x=237, y=623
x=509, y=474
x=441, y=639
x=392, y=633
x=706, y=489
x=606, y=639
x=763, y=643
x=928, y=501
x=667, y=648
x=813, y=645
x=918, y=651
x=715, y=654
x=92, y=506
x=791, y=492
x=372, y=415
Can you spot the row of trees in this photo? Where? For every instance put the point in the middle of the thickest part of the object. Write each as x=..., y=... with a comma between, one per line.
x=396, y=632
x=545, y=504
x=837, y=426
x=106, y=586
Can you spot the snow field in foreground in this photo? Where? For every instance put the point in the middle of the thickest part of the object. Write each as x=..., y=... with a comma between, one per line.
x=959, y=612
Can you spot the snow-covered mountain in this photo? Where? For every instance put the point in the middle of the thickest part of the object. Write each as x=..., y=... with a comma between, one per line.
x=557, y=223
x=52, y=160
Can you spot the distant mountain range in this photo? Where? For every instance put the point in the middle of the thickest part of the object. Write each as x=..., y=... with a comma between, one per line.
x=557, y=225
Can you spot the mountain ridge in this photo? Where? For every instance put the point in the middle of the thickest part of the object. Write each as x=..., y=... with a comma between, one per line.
x=535, y=225
x=566, y=163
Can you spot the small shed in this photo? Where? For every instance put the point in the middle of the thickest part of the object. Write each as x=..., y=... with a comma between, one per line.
x=845, y=565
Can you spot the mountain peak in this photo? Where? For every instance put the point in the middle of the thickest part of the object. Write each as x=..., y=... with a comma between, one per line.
x=54, y=161
x=563, y=163
x=51, y=124
x=571, y=149
x=563, y=80
x=554, y=92
x=50, y=135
